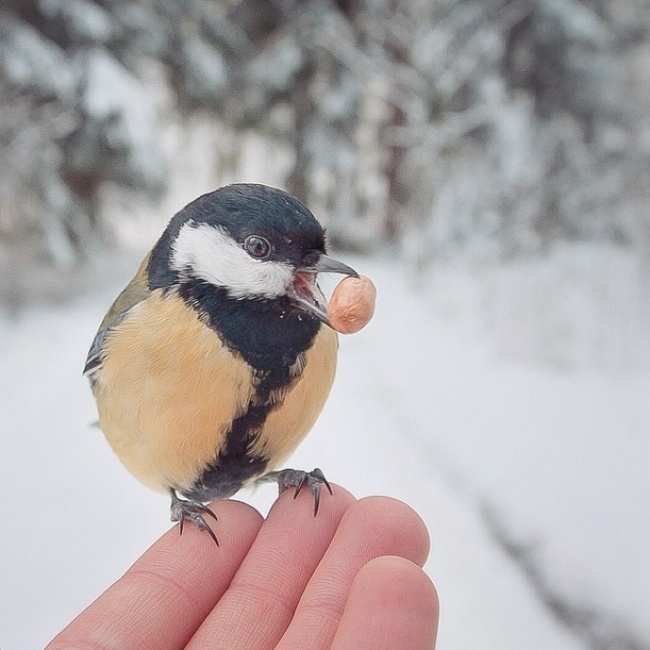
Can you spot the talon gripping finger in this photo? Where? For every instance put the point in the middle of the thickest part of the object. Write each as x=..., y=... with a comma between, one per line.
x=209, y=512
x=298, y=479
x=316, y=493
x=211, y=533
x=300, y=485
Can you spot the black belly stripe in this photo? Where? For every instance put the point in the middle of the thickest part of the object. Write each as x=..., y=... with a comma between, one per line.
x=235, y=464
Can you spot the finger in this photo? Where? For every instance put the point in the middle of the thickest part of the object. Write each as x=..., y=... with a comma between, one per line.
x=392, y=604
x=372, y=527
x=162, y=599
x=257, y=607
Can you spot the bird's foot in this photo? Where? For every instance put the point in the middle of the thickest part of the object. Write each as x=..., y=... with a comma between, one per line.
x=297, y=478
x=182, y=510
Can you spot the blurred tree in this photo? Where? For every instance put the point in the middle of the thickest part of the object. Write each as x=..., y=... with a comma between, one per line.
x=452, y=125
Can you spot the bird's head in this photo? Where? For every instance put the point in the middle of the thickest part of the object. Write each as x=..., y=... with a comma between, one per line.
x=251, y=243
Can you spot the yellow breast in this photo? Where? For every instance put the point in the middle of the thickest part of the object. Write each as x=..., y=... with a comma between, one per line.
x=168, y=391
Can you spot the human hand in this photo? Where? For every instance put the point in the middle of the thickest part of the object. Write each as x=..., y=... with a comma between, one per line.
x=348, y=579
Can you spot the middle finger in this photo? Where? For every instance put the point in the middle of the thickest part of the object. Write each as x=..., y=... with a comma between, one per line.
x=259, y=604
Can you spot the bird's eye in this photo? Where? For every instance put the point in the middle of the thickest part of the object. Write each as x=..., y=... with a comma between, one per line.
x=257, y=246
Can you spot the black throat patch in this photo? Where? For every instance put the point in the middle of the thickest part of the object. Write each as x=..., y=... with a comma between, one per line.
x=268, y=334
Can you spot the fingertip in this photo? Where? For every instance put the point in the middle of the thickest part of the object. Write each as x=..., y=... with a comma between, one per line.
x=243, y=513
x=395, y=579
x=401, y=526
x=392, y=604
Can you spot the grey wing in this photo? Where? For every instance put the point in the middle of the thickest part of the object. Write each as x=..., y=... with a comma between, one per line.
x=134, y=293
x=94, y=358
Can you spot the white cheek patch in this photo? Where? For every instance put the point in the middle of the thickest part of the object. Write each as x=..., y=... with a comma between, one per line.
x=213, y=256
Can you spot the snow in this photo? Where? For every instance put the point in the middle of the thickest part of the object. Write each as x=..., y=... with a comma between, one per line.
x=578, y=19
x=423, y=409
x=276, y=65
x=580, y=307
x=207, y=74
x=127, y=112
x=84, y=20
x=30, y=61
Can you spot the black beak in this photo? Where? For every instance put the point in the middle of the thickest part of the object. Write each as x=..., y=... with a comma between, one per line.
x=306, y=292
x=326, y=264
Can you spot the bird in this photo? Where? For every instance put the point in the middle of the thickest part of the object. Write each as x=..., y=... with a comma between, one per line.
x=215, y=361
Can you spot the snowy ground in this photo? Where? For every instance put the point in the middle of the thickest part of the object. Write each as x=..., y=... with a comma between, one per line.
x=533, y=479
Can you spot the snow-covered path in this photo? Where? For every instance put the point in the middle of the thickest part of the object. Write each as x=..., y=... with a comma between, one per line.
x=534, y=484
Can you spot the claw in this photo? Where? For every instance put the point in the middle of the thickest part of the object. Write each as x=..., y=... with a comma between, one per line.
x=182, y=510
x=298, y=479
x=300, y=485
x=318, y=473
x=316, y=492
x=210, y=532
x=207, y=511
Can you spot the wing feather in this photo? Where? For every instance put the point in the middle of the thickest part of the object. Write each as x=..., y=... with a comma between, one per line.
x=134, y=293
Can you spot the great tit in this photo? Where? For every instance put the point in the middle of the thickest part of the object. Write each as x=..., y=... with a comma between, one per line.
x=215, y=361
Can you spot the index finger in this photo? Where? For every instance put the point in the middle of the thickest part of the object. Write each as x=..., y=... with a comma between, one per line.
x=163, y=598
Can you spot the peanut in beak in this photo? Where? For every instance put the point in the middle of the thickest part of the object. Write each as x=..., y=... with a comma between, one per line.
x=352, y=304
